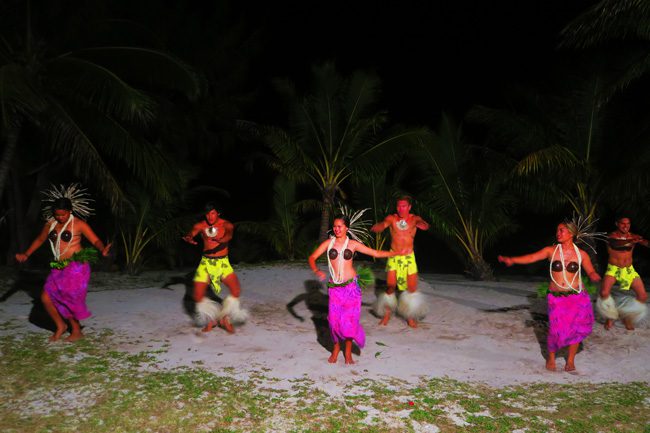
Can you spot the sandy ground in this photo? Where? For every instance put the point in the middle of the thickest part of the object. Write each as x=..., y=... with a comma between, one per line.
x=475, y=331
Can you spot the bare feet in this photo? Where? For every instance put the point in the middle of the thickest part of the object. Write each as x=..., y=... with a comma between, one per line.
x=570, y=366
x=209, y=326
x=74, y=336
x=412, y=323
x=349, y=360
x=629, y=325
x=608, y=324
x=225, y=324
x=550, y=364
x=58, y=333
x=335, y=354
x=386, y=318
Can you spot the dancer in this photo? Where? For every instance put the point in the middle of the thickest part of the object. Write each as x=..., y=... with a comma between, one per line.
x=343, y=288
x=620, y=246
x=401, y=270
x=215, y=267
x=570, y=314
x=66, y=287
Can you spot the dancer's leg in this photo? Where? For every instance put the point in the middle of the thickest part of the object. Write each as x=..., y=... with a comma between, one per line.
x=605, y=291
x=348, y=351
x=412, y=286
x=570, y=362
x=335, y=353
x=232, y=282
x=391, y=285
x=61, y=326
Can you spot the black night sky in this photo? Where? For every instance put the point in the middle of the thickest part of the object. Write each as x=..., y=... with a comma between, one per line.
x=432, y=58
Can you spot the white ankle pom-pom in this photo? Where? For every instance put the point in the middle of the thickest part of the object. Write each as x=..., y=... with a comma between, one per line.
x=631, y=309
x=232, y=309
x=412, y=306
x=206, y=311
x=384, y=301
x=607, y=308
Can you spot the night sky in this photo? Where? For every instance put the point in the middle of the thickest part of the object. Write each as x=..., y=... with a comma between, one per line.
x=431, y=57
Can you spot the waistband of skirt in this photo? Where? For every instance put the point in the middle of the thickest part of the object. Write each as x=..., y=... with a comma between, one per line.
x=344, y=283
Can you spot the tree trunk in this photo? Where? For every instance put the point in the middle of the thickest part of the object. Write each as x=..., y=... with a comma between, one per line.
x=11, y=143
x=328, y=200
x=480, y=270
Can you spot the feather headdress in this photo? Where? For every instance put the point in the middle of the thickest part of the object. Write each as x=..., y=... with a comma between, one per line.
x=77, y=195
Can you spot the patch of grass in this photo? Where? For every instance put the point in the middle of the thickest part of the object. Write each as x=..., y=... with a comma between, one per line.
x=91, y=387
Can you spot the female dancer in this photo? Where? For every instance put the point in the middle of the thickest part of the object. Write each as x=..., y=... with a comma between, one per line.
x=343, y=288
x=570, y=314
x=64, y=292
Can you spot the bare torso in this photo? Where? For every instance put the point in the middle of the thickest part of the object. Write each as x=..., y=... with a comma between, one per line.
x=212, y=236
x=68, y=240
x=342, y=264
x=620, y=247
x=563, y=280
x=402, y=231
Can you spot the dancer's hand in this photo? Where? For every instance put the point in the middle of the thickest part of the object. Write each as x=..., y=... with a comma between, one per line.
x=107, y=249
x=321, y=275
x=505, y=260
x=189, y=239
x=594, y=277
x=21, y=258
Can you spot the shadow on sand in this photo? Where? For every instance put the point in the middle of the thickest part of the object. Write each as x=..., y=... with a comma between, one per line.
x=31, y=282
x=189, y=306
x=317, y=302
x=537, y=307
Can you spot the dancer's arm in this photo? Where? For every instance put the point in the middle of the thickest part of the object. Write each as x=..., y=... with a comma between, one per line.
x=42, y=237
x=358, y=246
x=381, y=226
x=639, y=240
x=421, y=224
x=93, y=238
x=314, y=256
x=526, y=259
x=228, y=230
x=589, y=267
x=189, y=238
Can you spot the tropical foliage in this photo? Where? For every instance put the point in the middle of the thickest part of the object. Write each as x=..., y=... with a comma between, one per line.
x=287, y=229
x=335, y=134
x=465, y=192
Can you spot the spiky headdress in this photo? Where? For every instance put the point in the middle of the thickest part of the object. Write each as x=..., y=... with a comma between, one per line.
x=77, y=195
x=359, y=229
x=583, y=231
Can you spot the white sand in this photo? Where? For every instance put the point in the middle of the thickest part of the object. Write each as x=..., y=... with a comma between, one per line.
x=475, y=331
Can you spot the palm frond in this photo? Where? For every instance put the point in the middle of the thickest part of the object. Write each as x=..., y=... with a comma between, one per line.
x=609, y=20
x=151, y=68
x=101, y=87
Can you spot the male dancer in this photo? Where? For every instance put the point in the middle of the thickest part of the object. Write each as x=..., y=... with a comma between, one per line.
x=621, y=243
x=214, y=267
x=402, y=271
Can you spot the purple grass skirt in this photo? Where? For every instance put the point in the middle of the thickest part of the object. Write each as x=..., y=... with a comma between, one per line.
x=67, y=289
x=344, y=313
x=570, y=319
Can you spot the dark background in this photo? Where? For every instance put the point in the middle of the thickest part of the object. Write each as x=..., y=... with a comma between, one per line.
x=432, y=57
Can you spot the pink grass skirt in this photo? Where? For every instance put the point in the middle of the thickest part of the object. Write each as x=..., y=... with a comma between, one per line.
x=67, y=289
x=344, y=313
x=570, y=319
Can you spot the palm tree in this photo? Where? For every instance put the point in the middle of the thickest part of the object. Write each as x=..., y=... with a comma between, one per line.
x=559, y=143
x=284, y=230
x=335, y=134
x=464, y=189
x=91, y=109
x=624, y=21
